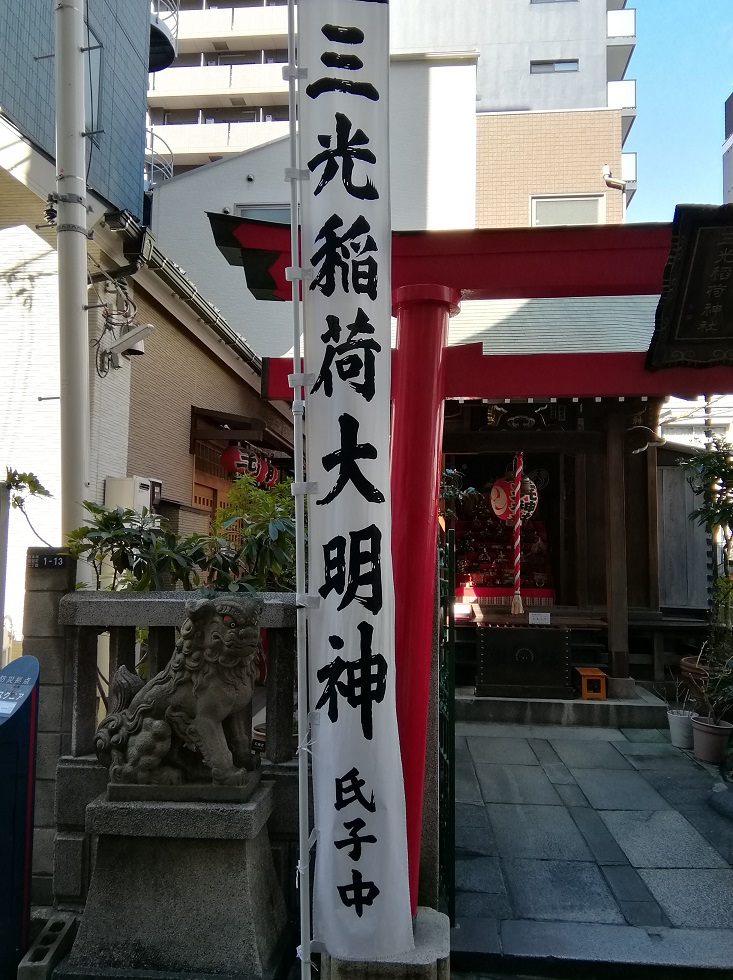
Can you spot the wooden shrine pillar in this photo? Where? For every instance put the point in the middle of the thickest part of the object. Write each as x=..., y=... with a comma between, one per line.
x=616, y=585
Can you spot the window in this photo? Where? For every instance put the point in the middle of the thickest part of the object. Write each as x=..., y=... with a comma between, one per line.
x=92, y=83
x=543, y=67
x=585, y=210
x=264, y=212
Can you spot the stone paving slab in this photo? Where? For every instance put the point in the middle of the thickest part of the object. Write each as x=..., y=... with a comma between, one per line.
x=715, y=829
x=597, y=836
x=471, y=814
x=475, y=840
x=598, y=944
x=483, y=905
x=610, y=789
x=558, y=774
x=570, y=891
x=515, y=784
x=479, y=874
x=571, y=795
x=682, y=788
x=656, y=755
x=541, y=832
x=466, y=784
x=645, y=734
x=510, y=751
x=660, y=839
x=543, y=750
x=589, y=755
x=584, y=733
x=696, y=898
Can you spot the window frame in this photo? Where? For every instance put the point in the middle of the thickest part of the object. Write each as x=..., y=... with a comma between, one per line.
x=534, y=198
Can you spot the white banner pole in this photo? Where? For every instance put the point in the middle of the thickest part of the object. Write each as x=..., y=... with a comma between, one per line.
x=290, y=72
x=361, y=892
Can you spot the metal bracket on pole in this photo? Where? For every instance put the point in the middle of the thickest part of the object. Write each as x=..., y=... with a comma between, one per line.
x=69, y=198
x=82, y=231
x=292, y=71
x=298, y=272
x=312, y=839
x=301, y=380
x=303, y=601
x=292, y=173
x=298, y=489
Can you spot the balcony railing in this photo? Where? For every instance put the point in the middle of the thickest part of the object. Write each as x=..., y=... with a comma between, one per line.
x=158, y=159
x=622, y=95
x=628, y=167
x=255, y=26
x=217, y=139
x=181, y=83
x=621, y=23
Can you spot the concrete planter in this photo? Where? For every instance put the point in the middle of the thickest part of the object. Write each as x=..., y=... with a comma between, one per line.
x=710, y=739
x=680, y=728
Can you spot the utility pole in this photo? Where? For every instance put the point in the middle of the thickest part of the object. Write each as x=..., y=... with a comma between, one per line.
x=72, y=260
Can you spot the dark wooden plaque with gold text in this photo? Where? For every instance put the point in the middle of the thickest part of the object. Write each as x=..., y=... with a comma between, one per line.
x=694, y=319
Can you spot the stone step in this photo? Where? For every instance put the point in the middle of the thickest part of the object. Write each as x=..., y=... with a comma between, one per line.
x=645, y=710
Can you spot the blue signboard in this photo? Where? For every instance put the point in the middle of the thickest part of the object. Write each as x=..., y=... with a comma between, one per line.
x=18, y=727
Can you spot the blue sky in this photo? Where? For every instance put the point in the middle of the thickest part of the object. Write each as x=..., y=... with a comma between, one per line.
x=683, y=64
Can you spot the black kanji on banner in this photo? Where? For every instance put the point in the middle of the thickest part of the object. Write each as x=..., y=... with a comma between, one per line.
x=349, y=147
x=365, y=682
x=346, y=459
x=353, y=358
x=345, y=254
x=359, y=893
x=364, y=568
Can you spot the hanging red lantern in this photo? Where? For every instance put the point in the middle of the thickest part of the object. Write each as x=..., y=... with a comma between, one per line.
x=234, y=459
x=273, y=474
x=261, y=474
x=501, y=499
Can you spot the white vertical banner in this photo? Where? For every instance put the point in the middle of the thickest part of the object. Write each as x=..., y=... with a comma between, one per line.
x=361, y=892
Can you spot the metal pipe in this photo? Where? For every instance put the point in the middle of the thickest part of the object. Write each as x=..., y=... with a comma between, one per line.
x=300, y=555
x=4, y=515
x=72, y=261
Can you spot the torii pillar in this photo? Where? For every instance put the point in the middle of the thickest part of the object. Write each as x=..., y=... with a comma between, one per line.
x=418, y=388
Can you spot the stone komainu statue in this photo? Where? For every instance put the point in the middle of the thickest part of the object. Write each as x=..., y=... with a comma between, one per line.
x=187, y=724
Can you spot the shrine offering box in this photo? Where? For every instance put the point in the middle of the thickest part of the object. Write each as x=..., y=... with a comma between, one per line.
x=523, y=661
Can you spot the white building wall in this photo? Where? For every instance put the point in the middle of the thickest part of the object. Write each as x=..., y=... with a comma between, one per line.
x=728, y=171
x=29, y=370
x=433, y=185
x=508, y=34
x=30, y=416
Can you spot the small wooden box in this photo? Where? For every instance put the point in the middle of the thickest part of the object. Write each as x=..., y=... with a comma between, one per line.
x=592, y=683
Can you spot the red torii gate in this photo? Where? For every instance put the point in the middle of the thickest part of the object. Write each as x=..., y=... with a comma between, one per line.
x=431, y=273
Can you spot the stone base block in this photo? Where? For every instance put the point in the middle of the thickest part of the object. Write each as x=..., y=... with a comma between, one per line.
x=620, y=687
x=430, y=960
x=186, y=792
x=181, y=890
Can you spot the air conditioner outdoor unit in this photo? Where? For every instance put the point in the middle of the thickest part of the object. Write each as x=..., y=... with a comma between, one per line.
x=135, y=492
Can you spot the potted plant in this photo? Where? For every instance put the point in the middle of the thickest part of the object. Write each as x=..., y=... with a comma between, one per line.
x=713, y=691
x=679, y=715
x=710, y=675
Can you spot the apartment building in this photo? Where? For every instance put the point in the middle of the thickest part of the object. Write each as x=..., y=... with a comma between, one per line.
x=728, y=153
x=224, y=93
x=553, y=101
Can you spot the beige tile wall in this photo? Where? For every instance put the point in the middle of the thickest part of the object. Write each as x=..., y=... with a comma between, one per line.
x=522, y=154
x=176, y=373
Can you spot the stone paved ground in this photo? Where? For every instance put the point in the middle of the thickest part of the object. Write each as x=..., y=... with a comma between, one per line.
x=588, y=844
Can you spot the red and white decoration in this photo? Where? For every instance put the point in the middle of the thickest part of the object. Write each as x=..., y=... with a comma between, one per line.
x=361, y=894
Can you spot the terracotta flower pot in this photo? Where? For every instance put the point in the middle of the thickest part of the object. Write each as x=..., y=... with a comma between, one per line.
x=695, y=675
x=710, y=739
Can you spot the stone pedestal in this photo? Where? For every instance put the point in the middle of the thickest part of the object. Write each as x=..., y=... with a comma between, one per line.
x=181, y=890
x=430, y=960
